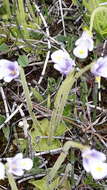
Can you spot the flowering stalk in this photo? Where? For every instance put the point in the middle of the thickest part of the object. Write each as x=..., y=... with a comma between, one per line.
x=28, y=100
x=63, y=155
x=98, y=81
x=11, y=180
x=21, y=18
x=61, y=99
x=93, y=161
x=7, y=7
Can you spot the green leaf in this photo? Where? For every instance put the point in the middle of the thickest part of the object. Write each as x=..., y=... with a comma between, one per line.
x=100, y=22
x=55, y=184
x=4, y=47
x=69, y=40
x=90, y=4
x=75, y=2
x=42, y=185
x=2, y=119
x=23, y=60
x=6, y=132
x=22, y=143
x=61, y=129
x=37, y=95
x=41, y=144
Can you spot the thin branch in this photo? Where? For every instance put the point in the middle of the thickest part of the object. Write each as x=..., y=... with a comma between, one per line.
x=11, y=116
x=49, y=44
x=4, y=101
x=25, y=124
x=55, y=151
x=62, y=17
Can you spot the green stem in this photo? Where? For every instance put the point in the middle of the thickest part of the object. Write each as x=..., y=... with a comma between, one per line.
x=28, y=100
x=61, y=99
x=11, y=181
x=98, y=9
x=7, y=6
x=21, y=17
x=63, y=155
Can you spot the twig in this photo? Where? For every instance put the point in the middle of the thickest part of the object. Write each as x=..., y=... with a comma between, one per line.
x=49, y=44
x=5, y=102
x=44, y=110
x=97, y=107
x=55, y=151
x=31, y=177
x=11, y=116
x=56, y=137
x=79, y=179
x=62, y=17
x=4, y=188
x=25, y=124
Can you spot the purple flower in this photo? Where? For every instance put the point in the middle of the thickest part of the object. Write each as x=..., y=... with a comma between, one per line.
x=81, y=51
x=93, y=162
x=63, y=63
x=87, y=39
x=100, y=67
x=83, y=45
x=101, y=4
x=18, y=164
x=8, y=70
